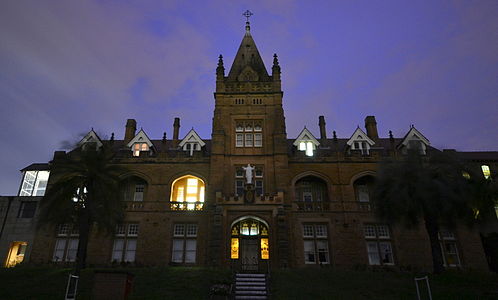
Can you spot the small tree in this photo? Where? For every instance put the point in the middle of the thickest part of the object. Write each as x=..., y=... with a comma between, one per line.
x=84, y=192
x=429, y=188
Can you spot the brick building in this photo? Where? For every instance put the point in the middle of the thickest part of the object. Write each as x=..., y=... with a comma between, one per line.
x=252, y=198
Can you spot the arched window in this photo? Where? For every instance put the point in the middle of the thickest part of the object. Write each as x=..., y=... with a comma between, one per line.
x=363, y=188
x=311, y=194
x=133, y=189
x=187, y=193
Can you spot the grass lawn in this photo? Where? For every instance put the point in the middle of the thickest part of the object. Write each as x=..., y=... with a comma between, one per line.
x=327, y=283
x=308, y=283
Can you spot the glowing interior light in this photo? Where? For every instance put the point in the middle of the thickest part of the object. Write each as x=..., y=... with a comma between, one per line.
x=179, y=194
x=191, y=206
x=302, y=146
x=265, y=253
x=191, y=199
x=201, y=196
x=191, y=186
x=309, y=149
x=485, y=171
x=234, y=248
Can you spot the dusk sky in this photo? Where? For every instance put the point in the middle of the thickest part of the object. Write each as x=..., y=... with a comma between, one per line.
x=68, y=66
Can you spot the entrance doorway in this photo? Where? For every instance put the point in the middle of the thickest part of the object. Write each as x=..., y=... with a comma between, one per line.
x=250, y=244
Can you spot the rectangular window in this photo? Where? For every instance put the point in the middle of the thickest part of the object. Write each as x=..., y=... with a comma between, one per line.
x=139, y=192
x=315, y=241
x=486, y=172
x=258, y=140
x=248, y=139
x=378, y=243
x=125, y=243
x=449, y=248
x=239, y=142
x=66, y=244
x=363, y=193
x=248, y=133
x=184, y=246
x=34, y=183
x=27, y=209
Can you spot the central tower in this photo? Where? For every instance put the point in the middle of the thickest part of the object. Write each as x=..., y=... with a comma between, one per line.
x=248, y=123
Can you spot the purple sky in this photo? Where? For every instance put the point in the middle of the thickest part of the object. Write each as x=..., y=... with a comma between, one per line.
x=67, y=66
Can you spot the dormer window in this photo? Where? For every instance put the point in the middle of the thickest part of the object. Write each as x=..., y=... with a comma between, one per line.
x=414, y=140
x=140, y=147
x=34, y=183
x=192, y=142
x=360, y=141
x=364, y=147
x=306, y=142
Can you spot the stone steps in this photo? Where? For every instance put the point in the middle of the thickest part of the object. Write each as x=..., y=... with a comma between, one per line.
x=250, y=286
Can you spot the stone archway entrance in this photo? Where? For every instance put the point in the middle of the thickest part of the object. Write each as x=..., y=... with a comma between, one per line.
x=249, y=244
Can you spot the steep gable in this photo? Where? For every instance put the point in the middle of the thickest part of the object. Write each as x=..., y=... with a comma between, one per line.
x=90, y=137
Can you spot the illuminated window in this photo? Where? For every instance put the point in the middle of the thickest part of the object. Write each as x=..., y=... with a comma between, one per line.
x=234, y=252
x=188, y=193
x=184, y=248
x=465, y=174
x=315, y=241
x=66, y=244
x=140, y=147
x=449, y=248
x=248, y=133
x=378, y=242
x=34, y=183
x=125, y=243
x=486, y=171
x=307, y=147
x=16, y=253
x=27, y=209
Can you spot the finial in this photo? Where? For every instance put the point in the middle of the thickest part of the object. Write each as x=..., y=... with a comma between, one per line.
x=112, y=136
x=391, y=135
x=334, y=135
x=275, y=59
x=247, y=14
x=164, y=137
x=220, y=70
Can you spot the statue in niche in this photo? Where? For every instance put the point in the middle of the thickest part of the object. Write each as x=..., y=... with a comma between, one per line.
x=249, y=173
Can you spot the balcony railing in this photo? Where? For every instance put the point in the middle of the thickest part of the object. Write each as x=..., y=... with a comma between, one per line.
x=186, y=205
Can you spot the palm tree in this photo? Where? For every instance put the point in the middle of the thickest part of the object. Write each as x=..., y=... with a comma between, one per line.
x=84, y=192
x=418, y=188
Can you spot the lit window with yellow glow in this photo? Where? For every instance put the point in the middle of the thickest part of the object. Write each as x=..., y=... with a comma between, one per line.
x=234, y=254
x=265, y=254
x=16, y=254
x=486, y=171
x=187, y=193
x=139, y=147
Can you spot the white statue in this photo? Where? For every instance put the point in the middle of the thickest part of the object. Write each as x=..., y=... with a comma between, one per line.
x=248, y=170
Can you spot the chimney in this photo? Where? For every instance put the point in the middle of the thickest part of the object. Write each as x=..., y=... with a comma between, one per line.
x=323, y=131
x=131, y=127
x=371, y=126
x=176, y=131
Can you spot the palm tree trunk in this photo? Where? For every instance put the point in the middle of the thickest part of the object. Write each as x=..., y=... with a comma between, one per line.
x=432, y=228
x=84, y=231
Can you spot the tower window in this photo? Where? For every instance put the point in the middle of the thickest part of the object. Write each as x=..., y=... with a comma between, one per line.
x=248, y=133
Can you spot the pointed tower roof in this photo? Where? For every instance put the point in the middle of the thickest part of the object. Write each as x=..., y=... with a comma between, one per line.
x=248, y=65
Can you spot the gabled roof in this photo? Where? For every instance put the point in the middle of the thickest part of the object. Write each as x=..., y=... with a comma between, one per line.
x=248, y=61
x=306, y=135
x=192, y=137
x=414, y=134
x=141, y=137
x=359, y=135
x=91, y=137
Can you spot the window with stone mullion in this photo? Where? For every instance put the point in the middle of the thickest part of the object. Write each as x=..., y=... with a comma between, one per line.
x=315, y=242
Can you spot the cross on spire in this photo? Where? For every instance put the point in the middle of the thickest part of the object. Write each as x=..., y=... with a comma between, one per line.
x=247, y=14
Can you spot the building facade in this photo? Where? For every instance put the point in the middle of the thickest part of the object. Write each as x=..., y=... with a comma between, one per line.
x=250, y=197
